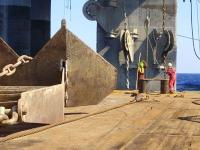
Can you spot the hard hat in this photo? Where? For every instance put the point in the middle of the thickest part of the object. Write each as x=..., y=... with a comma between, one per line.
x=169, y=64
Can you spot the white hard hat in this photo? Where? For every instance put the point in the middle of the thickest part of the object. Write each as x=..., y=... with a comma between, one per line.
x=169, y=64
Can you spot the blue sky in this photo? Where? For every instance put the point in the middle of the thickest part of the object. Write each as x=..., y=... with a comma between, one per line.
x=86, y=30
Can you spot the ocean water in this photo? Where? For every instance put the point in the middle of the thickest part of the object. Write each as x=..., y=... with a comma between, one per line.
x=188, y=82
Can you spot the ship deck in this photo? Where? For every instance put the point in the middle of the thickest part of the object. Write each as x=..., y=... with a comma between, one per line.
x=160, y=122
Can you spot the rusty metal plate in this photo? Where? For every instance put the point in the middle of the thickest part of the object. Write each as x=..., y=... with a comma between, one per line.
x=44, y=70
x=45, y=105
x=91, y=78
x=7, y=54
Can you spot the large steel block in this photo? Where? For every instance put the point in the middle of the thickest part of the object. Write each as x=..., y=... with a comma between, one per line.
x=7, y=54
x=90, y=77
x=44, y=105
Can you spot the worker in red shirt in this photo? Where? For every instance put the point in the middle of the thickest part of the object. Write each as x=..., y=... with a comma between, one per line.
x=171, y=72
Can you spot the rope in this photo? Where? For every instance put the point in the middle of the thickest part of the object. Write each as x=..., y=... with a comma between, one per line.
x=136, y=83
x=192, y=29
x=37, y=130
x=197, y=102
x=153, y=51
x=146, y=26
x=147, y=35
x=156, y=47
x=197, y=6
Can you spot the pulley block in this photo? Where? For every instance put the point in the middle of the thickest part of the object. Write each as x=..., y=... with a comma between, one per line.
x=89, y=10
x=169, y=43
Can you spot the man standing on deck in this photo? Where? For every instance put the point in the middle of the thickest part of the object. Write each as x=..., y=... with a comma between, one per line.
x=171, y=72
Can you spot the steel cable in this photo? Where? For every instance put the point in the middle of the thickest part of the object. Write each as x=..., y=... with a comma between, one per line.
x=197, y=6
x=192, y=29
x=187, y=37
x=164, y=15
x=37, y=130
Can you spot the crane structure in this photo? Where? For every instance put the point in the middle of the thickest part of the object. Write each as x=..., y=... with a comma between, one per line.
x=128, y=29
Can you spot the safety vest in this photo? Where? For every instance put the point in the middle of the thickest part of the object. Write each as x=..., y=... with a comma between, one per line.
x=141, y=67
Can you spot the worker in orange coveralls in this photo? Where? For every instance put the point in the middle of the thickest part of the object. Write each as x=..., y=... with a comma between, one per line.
x=171, y=72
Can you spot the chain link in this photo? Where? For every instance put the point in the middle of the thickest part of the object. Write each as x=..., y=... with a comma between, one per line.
x=164, y=14
x=10, y=69
x=127, y=72
x=127, y=54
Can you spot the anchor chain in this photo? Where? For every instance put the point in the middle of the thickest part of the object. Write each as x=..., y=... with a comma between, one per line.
x=164, y=14
x=8, y=116
x=127, y=72
x=10, y=69
x=127, y=50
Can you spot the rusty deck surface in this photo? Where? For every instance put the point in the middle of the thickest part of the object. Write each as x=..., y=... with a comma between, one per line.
x=161, y=122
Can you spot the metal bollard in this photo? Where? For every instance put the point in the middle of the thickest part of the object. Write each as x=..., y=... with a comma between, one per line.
x=142, y=86
x=164, y=86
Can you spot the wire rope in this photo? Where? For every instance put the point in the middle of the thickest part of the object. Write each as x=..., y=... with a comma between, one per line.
x=192, y=29
x=197, y=7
